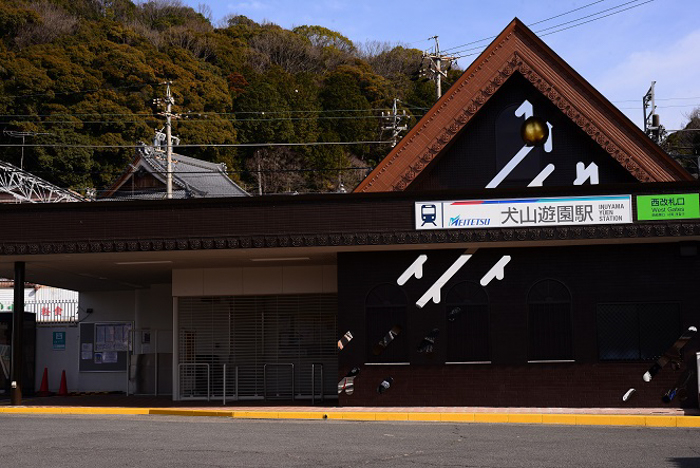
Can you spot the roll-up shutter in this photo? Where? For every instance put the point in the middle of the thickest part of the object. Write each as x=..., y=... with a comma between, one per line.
x=269, y=344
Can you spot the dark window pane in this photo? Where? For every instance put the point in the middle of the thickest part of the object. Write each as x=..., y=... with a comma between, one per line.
x=637, y=331
x=618, y=332
x=550, y=332
x=468, y=334
x=467, y=312
x=386, y=309
x=549, y=322
x=659, y=328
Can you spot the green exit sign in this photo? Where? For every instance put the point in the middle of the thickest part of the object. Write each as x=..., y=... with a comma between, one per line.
x=668, y=206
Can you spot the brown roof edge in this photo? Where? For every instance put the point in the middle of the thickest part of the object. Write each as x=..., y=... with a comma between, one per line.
x=589, y=109
x=128, y=171
x=670, y=164
x=375, y=181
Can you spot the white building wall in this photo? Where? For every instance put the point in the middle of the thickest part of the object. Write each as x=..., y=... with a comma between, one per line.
x=57, y=361
x=111, y=306
x=152, y=309
x=37, y=294
x=255, y=281
x=148, y=308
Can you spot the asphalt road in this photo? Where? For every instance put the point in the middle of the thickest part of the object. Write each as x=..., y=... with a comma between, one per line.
x=165, y=441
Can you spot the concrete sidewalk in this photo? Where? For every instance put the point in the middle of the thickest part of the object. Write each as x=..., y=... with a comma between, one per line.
x=143, y=405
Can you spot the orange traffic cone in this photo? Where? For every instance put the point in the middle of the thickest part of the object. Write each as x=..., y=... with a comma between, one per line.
x=44, y=389
x=63, y=390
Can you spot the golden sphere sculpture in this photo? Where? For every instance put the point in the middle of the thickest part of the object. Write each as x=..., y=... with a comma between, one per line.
x=534, y=131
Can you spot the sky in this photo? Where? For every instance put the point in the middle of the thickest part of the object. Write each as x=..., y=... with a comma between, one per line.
x=620, y=55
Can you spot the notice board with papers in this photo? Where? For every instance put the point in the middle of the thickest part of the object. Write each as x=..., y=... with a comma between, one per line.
x=104, y=346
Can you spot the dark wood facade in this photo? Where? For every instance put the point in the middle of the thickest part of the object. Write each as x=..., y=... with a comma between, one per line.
x=600, y=291
x=353, y=221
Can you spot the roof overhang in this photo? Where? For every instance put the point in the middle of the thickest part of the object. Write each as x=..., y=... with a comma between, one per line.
x=131, y=245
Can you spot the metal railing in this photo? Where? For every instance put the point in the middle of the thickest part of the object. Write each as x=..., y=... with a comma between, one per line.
x=236, y=388
x=290, y=365
x=53, y=311
x=313, y=382
x=189, y=382
x=5, y=353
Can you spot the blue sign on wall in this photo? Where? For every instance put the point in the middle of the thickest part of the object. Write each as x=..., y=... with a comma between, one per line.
x=59, y=341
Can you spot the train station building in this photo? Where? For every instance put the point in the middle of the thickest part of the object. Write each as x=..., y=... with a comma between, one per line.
x=525, y=244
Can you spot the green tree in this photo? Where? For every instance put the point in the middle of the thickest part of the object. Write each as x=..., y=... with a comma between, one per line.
x=684, y=145
x=86, y=72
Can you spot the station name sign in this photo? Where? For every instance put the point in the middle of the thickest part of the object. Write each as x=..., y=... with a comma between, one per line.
x=668, y=206
x=524, y=212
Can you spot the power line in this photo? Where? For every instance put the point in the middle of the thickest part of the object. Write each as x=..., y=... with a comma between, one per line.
x=150, y=114
x=229, y=171
x=565, y=13
x=531, y=24
x=592, y=15
x=664, y=107
x=80, y=92
x=204, y=145
x=596, y=19
x=277, y=119
x=662, y=99
x=419, y=40
x=379, y=109
x=569, y=22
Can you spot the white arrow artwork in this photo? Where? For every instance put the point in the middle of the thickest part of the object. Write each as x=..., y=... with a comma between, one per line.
x=584, y=173
x=497, y=271
x=539, y=180
x=434, y=292
x=416, y=269
x=524, y=110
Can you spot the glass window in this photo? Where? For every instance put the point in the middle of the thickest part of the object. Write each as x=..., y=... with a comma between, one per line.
x=549, y=322
x=467, y=309
x=637, y=331
x=386, y=307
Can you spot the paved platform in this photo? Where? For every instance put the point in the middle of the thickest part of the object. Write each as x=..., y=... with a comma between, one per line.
x=108, y=404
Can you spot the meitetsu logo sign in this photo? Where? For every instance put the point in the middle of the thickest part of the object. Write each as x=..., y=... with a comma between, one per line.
x=464, y=222
x=524, y=212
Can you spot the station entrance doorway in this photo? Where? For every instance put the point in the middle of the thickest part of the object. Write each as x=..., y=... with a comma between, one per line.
x=268, y=347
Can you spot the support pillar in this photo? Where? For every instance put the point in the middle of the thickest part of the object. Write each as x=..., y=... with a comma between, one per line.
x=17, y=367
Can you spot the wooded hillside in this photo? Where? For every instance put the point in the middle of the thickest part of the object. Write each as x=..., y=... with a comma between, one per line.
x=84, y=73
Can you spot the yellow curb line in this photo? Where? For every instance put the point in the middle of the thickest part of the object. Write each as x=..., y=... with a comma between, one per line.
x=72, y=410
x=492, y=418
x=188, y=412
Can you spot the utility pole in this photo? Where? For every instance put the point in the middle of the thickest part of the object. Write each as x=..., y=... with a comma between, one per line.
x=23, y=135
x=434, y=70
x=168, y=101
x=393, y=122
x=652, y=125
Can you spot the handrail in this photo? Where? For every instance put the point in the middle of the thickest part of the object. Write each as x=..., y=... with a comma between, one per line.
x=155, y=345
x=195, y=364
x=313, y=382
x=236, y=368
x=277, y=365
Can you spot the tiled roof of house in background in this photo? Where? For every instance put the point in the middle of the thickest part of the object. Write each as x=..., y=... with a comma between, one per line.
x=192, y=178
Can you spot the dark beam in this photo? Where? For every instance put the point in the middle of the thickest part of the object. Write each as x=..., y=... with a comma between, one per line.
x=17, y=367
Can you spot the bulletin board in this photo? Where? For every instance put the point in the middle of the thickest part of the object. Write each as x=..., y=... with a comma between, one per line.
x=104, y=346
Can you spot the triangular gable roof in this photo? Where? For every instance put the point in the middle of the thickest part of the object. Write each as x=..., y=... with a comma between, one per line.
x=519, y=50
x=195, y=176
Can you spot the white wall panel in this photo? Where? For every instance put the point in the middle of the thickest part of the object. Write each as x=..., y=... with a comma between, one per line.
x=222, y=281
x=255, y=280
